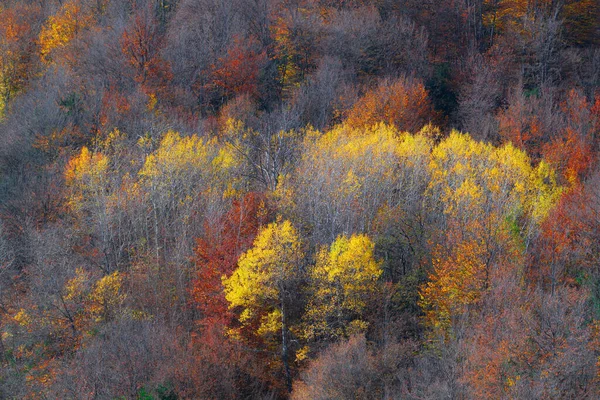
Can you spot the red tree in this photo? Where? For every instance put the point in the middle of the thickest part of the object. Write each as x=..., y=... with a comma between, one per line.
x=218, y=250
x=237, y=72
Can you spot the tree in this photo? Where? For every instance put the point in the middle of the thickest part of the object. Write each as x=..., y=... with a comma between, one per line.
x=18, y=51
x=347, y=176
x=218, y=250
x=106, y=297
x=371, y=41
x=480, y=97
x=263, y=285
x=98, y=202
x=343, y=280
x=343, y=371
x=581, y=21
x=295, y=39
x=184, y=178
x=237, y=72
x=529, y=344
x=266, y=155
x=403, y=103
x=141, y=43
x=356, y=368
x=563, y=131
x=491, y=204
x=61, y=28
x=456, y=284
x=86, y=173
x=567, y=249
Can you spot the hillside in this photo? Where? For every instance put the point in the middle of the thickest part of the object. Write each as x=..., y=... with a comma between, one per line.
x=299, y=199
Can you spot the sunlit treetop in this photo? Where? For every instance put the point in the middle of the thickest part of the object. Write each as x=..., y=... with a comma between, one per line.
x=61, y=28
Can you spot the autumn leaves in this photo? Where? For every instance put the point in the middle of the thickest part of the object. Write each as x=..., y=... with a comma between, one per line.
x=303, y=265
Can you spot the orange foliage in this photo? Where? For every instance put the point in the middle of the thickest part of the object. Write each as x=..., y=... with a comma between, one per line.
x=491, y=351
x=403, y=103
x=573, y=153
x=519, y=125
x=457, y=282
x=569, y=154
x=527, y=342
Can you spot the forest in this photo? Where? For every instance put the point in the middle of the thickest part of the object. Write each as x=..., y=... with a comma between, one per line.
x=299, y=199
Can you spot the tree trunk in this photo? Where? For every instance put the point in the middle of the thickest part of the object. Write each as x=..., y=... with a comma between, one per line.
x=284, y=348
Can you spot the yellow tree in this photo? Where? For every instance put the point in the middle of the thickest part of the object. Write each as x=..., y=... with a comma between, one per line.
x=346, y=176
x=184, y=177
x=94, y=199
x=106, y=297
x=490, y=201
x=343, y=279
x=61, y=28
x=263, y=285
x=86, y=176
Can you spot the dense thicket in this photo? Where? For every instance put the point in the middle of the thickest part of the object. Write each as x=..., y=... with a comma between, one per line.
x=207, y=199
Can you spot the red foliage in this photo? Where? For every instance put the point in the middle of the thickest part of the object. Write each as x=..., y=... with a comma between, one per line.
x=141, y=43
x=567, y=137
x=237, y=72
x=573, y=152
x=218, y=250
x=570, y=238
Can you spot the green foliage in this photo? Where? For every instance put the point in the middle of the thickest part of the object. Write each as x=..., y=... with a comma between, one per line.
x=440, y=88
x=163, y=392
x=144, y=395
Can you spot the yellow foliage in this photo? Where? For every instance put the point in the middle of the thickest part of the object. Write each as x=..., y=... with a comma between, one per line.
x=262, y=273
x=61, y=28
x=22, y=318
x=75, y=287
x=347, y=174
x=181, y=164
x=175, y=154
x=139, y=315
x=545, y=191
x=492, y=198
x=270, y=323
x=472, y=180
x=343, y=278
x=106, y=296
x=302, y=354
x=86, y=166
x=86, y=176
